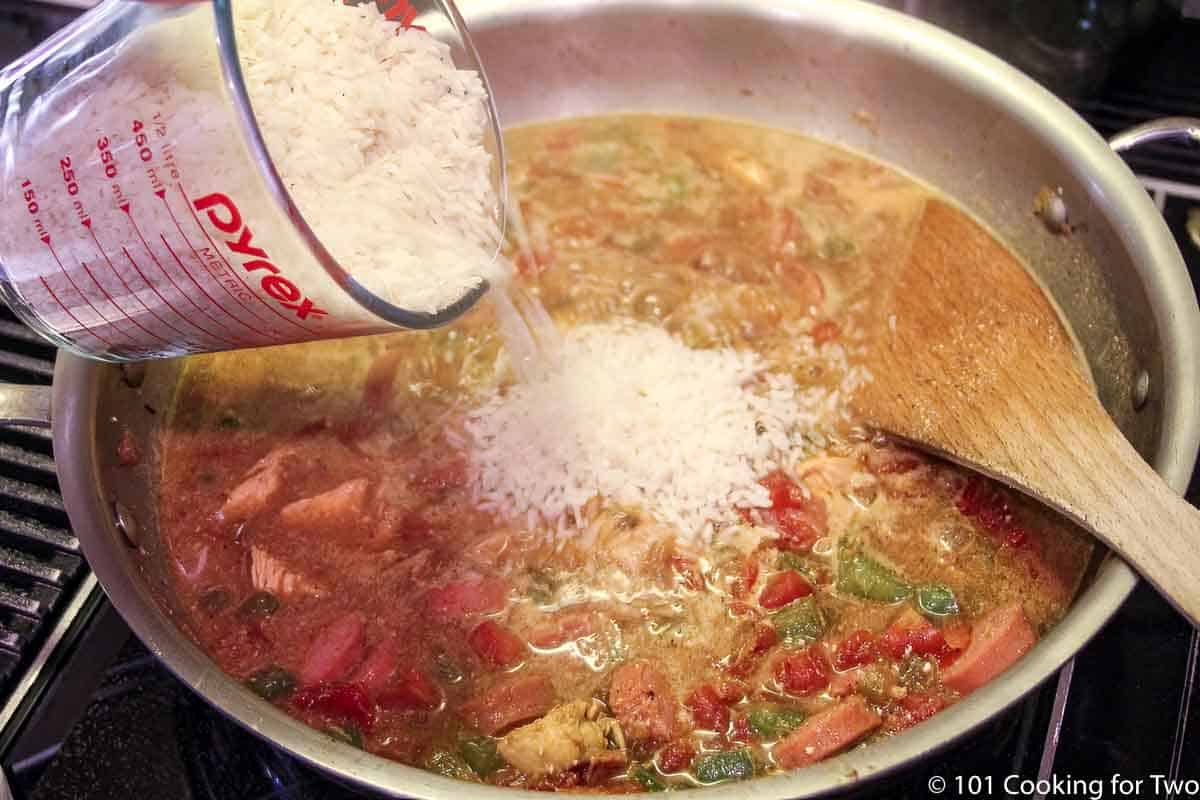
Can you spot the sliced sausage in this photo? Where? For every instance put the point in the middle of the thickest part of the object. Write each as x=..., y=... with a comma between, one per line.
x=509, y=703
x=459, y=599
x=643, y=701
x=826, y=733
x=378, y=667
x=335, y=652
x=997, y=641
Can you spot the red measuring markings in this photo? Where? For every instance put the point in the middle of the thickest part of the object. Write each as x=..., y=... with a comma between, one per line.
x=78, y=321
x=258, y=331
x=227, y=338
x=185, y=336
x=159, y=295
x=63, y=305
x=109, y=298
x=303, y=309
x=85, y=298
x=196, y=283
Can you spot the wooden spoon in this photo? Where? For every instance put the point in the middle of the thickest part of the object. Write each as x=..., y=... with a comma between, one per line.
x=970, y=360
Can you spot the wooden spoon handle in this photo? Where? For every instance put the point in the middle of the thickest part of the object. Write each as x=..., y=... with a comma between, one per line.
x=1088, y=471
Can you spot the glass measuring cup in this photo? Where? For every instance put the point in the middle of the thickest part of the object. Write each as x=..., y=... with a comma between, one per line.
x=141, y=215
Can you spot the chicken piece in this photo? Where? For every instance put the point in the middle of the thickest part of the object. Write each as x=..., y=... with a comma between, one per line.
x=270, y=574
x=628, y=542
x=337, y=509
x=643, y=701
x=260, y=488
x=827, y=474
x=571, y=734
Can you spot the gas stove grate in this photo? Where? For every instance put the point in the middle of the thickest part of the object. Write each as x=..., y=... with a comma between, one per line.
x=40, y=559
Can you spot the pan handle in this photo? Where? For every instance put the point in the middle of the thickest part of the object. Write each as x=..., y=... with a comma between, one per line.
x=25, y=405
x=1187, y=128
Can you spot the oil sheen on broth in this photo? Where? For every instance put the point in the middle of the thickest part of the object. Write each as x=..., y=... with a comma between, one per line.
x=321, y=508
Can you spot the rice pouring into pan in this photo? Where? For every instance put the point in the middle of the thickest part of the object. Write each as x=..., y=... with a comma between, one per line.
x=379, y=139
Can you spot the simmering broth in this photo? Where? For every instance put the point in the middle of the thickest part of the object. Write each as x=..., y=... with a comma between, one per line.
x=353, y=533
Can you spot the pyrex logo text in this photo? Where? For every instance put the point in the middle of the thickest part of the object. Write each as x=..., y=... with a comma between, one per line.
x=225, y=217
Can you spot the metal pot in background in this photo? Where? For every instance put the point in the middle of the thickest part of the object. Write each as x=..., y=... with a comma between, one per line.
x=1069, y=46
x=847, y=72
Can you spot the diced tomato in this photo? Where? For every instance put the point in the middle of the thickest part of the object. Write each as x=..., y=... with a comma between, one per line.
x=783, y=588
x=825, y=331
x=912, y=709
x=748, y=655
x=802, y=672
x=516, y=700
x=997, y=642
x=855, y=650
x=459, y=599
x=1017, y=538
x=411, y=691
x=741, y=730
x=676, y=757
x=708, y=712
x=377, y=668
x=798, y=530
x=335, y=651
x=988, y=505
x=344, y=701
x=643, y=701
x=826, y=733
x=913, y=634
x=785, y=492
x=496, y=644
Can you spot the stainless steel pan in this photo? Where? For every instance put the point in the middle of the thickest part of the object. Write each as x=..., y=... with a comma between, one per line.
x=844, y=71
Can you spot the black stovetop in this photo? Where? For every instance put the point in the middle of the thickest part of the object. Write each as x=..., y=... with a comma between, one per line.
x=98, y=717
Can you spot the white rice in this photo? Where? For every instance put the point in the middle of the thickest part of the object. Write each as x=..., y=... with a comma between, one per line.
x=134, y=224
x=631, y=414
x=379, y=139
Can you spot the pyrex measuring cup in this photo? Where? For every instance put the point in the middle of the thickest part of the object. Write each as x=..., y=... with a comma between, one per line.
x=141, y=215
